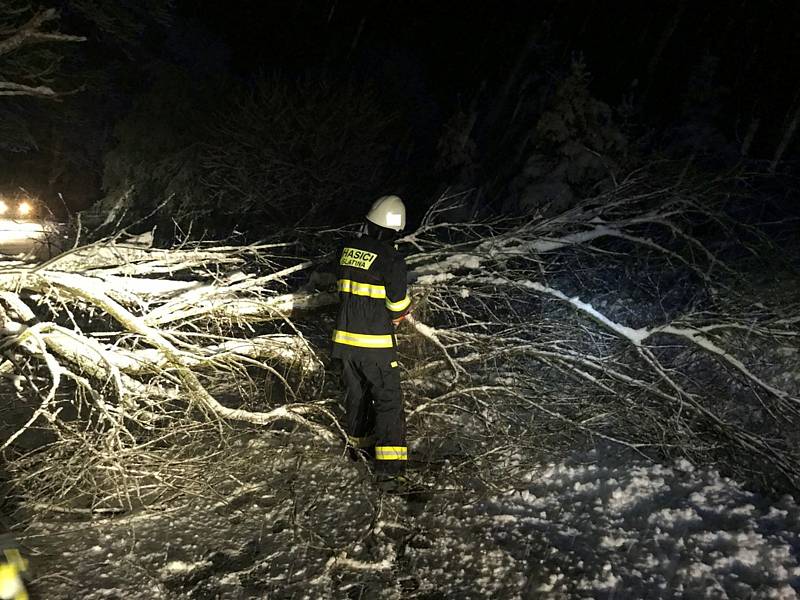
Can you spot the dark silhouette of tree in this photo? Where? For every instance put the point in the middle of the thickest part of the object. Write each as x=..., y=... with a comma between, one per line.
x=226, y=157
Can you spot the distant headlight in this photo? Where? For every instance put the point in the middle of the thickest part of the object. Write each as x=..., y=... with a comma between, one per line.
x=24, y=209
x=3, y=207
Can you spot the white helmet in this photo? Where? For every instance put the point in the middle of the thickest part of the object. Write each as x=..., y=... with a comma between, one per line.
x=389, y=212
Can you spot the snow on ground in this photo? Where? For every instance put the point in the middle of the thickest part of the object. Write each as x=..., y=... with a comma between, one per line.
x=642, y=530
x=308, y=524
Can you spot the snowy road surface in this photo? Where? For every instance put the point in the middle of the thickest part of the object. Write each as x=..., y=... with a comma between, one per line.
x=594, y=526
x=27, y=237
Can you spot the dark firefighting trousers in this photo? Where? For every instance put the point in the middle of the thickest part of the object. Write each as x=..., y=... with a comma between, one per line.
x=374, y=412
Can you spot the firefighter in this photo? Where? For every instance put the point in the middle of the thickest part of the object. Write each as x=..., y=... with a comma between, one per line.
x=373, y=301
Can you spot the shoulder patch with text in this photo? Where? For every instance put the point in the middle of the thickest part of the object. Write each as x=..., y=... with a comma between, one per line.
x=360, y=259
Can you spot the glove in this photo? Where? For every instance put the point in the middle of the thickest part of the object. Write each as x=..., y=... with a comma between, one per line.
x=396, y=322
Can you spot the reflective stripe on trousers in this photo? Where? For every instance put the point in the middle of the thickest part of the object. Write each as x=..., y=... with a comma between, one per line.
x=374, y=407
x=391, y=453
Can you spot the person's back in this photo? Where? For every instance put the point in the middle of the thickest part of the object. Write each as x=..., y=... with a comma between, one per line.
x=372, y=287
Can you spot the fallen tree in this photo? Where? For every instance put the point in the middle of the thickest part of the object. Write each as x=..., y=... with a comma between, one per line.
x=612, y=321
x=119, y=346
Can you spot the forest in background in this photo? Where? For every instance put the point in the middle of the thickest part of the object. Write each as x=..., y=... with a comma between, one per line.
x=315, y=108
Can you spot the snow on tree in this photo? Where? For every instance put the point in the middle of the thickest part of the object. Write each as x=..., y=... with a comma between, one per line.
x=574, y=149
x=609, y=321
x=25, y=57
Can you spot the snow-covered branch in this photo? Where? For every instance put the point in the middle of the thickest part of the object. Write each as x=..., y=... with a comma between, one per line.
x=613, y=321
x=539, y=313
x=15, y=37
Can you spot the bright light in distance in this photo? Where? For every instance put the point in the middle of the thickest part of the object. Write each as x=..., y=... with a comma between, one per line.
x=3, y=207
x=24, y=209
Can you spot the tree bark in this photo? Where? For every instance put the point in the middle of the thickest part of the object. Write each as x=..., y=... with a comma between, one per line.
x=663, y=42
x=793, y=120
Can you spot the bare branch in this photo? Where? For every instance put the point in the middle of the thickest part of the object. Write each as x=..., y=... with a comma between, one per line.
x=31, y=33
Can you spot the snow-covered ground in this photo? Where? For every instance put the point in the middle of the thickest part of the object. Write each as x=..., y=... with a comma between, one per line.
x=308, y=524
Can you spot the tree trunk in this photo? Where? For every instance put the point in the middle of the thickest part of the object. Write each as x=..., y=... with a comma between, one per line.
x=793, y=120
x=752, y=129
x=658, y=52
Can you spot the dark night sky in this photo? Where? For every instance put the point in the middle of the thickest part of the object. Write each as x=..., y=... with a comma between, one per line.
x=448, y=48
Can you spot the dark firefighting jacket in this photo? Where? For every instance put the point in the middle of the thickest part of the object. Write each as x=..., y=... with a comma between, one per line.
x=372, y=292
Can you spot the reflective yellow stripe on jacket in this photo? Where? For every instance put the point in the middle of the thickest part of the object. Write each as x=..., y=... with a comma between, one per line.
x=362, y=340
x=391, y=453
x=361, y=289
x=398, y=306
